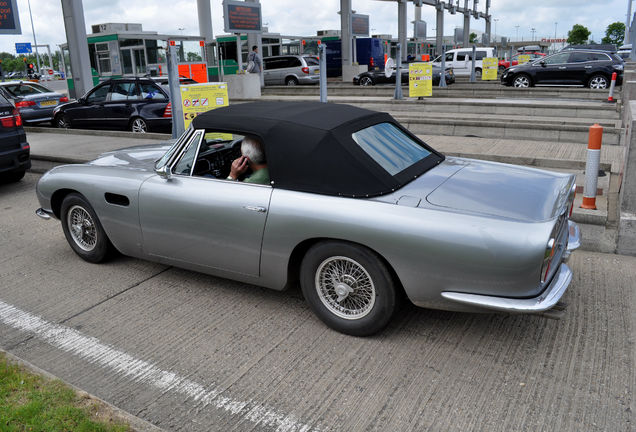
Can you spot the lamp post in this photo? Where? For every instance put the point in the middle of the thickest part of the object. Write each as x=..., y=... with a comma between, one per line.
x=495, y=20
x=517, y=36
x=37, y=56
x=533, y=30
x=555, y=27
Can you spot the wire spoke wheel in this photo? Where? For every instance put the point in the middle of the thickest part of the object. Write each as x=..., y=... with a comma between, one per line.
x=345, y=287
x=82, y=228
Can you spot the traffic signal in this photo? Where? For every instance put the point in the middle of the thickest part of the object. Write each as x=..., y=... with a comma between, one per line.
x=30, y=69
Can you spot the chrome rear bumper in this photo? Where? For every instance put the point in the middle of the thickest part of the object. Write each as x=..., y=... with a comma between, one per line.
x=44, y=214
x=548, y=298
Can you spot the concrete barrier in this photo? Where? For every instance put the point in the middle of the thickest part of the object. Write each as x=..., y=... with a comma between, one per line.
x=627, y=222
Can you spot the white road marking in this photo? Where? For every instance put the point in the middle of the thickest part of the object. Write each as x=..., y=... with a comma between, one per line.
x=93, y=351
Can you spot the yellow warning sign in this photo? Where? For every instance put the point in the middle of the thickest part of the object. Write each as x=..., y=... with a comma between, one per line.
x=523, y=58
x=199, y=98
x=420, y=79
x=489, y=68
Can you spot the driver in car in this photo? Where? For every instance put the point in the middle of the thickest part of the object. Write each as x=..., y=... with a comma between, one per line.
x=253, y=157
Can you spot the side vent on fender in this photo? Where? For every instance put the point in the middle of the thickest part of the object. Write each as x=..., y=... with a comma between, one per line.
x=117, y=199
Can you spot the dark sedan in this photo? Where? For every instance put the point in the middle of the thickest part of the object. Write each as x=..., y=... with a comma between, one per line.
x=136, y=104
x=374, y=77
x=14, y=148
x=591, y=68
x=34, y=101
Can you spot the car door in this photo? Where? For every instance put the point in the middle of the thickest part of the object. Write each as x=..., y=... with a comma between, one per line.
x=271, y=71
x=210, y=223
x=89, y=111
x=578, y=66
x=118, y=106
x=552, y=69
x=461, y=63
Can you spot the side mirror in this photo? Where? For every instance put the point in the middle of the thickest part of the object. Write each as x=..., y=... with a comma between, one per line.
x=542, y=63
x=82, y=101
x=163, y=172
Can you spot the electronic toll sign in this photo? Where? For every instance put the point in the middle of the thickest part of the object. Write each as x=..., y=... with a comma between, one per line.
x=9, y=18
x=359, y=25
x=241, y=17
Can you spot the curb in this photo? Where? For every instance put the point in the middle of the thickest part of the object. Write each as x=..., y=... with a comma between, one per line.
x=91, y=132
x=135, y=423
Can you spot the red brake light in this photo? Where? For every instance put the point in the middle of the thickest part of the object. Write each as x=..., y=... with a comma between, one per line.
x=168, y=111
x=24, y=104
x=306, y=70
x=63, y=99
x=371, y=62
x=17, y=117
x=7, y=122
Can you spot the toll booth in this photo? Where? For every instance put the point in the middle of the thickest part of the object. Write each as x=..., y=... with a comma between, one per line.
x=119, y=50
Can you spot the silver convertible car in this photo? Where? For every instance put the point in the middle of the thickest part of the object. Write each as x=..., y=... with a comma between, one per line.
x=357, y=210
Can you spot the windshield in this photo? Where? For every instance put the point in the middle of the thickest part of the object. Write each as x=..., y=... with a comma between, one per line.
x=390, y=147
x=172, y=150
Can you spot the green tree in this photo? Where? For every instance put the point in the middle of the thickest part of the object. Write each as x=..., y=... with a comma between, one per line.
x=578, y=35
x=472, y=37
x=615, y=33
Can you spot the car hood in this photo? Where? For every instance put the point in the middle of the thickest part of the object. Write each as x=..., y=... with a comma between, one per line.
x=506, y=191
x=138, y=158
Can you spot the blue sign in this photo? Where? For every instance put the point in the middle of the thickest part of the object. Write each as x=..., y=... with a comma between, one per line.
x=23, y=48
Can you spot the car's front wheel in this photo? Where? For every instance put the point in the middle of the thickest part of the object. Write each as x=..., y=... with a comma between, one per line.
x=522, y=81
x=366, y=81
x=62, y=121
x=83, y=231
x=138, y=125
x=348, y=287
x=597, y=82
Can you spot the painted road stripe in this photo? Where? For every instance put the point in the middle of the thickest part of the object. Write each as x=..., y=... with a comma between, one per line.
x=93, y=351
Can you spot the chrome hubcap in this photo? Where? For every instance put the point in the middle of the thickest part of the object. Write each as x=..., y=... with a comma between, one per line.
x=82, y=228
x=598, y=83
x=139, y=126
x=345, y=287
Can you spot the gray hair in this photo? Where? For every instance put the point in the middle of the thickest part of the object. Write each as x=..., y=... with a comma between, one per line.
x=253, y=149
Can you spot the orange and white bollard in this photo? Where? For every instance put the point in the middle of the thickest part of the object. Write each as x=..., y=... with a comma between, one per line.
x=611, y=99
x=591, y=167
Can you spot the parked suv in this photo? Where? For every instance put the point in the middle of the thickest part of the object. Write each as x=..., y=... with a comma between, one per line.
x=135, y=104
x=291, y=70
x=574, y=67
x=461, y=62
x=14, y=148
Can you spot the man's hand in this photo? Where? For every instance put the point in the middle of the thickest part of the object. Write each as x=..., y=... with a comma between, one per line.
x=239, y=166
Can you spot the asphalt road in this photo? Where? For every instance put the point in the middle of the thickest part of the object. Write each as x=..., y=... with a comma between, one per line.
x=189, y=352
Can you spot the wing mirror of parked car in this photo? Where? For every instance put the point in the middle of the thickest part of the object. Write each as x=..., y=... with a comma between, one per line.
x=163, y=172
x=82, y=101
x=542, y=63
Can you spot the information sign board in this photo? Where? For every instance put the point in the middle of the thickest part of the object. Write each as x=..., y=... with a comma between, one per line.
x=359, y=25
x=489, y=68
x=9, y=17
x=420, y=79
x=199, y=98
x=523, y=58
x=242, y=17
x=23, y=48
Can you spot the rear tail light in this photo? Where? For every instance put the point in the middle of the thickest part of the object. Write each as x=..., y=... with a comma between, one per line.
x=306, y=70
x=371, y=62
x=14, y=120
x=168, y=111
x=63, y=99
x=24, y=104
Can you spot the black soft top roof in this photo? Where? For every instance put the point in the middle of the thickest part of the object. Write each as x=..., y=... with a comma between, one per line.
x=309, y=145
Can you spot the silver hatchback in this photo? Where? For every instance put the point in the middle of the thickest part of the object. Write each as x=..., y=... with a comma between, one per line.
x=291, y=70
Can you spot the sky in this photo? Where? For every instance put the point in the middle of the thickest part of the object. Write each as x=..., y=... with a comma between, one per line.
x=294, y=17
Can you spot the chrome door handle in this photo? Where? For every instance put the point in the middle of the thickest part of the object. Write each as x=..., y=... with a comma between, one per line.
x=562, y=67
x=255, y=208
x=588, y=67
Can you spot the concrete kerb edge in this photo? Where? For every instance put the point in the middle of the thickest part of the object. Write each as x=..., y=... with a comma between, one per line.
x=90, y=132
x=136, y=423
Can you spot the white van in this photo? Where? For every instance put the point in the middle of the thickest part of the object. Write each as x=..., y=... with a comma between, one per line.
x=461, y=62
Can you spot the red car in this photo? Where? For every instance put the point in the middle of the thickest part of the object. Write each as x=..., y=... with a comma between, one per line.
x=505, y=64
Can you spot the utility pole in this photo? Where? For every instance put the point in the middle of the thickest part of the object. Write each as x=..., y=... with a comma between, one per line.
x=37, y=56
x=517, y=36
x=75, y=27
x=629, y=16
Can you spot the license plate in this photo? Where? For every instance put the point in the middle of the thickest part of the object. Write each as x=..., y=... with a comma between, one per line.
x=317, y=71
x=48, y=103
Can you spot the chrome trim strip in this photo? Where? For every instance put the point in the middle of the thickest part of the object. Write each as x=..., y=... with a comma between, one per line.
x=545, y=301
x=46, y=215
x=574, y=239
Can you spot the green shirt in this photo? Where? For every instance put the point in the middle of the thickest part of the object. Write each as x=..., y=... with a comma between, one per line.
x=259, y=177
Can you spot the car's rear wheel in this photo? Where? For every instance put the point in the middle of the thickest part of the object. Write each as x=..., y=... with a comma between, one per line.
x=138, y=125
x=366, y=81
x=348, y=287
x=597, y=82
x=522, y=81
x=62, y=121
x=83, y=231
x=478, y=73
x=291, y=81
